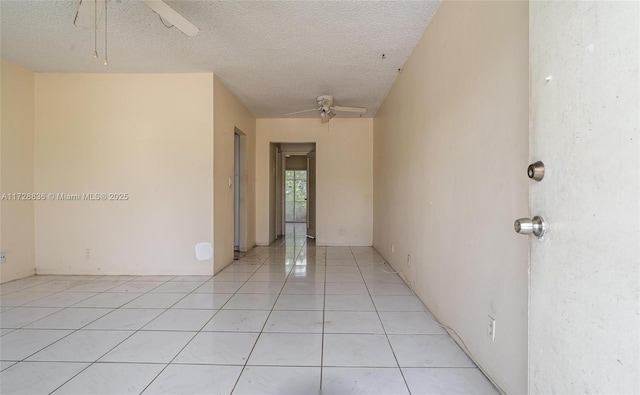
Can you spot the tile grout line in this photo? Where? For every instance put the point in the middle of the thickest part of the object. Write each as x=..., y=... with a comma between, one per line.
x=112, y=348
x=60, y=310
x=26, y=289
x=202, y=327
x=61, y=329
x=270, y=311
x=89, y=323
x=382, y=324
x=324, y=306
x=24, y=305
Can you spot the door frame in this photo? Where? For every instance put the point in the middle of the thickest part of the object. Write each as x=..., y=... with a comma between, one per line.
x=311, y=195
x=241, y=212
x=277, y=162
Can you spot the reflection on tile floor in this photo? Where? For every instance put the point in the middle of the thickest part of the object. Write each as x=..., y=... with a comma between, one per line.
x=291, y=318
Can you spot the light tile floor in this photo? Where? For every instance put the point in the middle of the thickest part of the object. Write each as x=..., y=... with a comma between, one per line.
x=291, y=318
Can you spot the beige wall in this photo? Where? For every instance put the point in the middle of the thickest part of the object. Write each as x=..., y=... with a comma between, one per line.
x=344, y=185
x=450, y=153
x=230, y=113
x=148, y=135
x=16, y=171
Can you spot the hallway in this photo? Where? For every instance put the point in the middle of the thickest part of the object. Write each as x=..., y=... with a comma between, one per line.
x=281, y=320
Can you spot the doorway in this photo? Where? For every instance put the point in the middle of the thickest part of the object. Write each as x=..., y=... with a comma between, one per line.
x=239, y=183
x=294, y=184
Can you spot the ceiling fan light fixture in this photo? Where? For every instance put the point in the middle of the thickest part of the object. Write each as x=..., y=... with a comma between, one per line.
x=328, y=110
x=326, y=115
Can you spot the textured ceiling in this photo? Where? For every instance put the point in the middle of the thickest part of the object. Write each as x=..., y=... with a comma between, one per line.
x=276, y=56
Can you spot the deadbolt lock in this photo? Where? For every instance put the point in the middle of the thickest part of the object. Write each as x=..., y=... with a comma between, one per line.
x=535, y=171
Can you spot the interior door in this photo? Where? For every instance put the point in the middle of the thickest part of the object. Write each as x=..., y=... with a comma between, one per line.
x=584, y=307
x=311, y=195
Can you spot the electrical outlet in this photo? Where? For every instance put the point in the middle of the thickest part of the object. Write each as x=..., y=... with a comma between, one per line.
x=87, y=253
x=3, y=257
x=393, y=247
x=408, y=260
x=491, y=330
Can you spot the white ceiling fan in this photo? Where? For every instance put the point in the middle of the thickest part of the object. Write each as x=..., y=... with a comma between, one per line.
x=327, y=109
x=89, y=12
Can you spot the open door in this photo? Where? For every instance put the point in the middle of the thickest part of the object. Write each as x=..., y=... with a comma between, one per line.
x=585, y=127
x=311, y=195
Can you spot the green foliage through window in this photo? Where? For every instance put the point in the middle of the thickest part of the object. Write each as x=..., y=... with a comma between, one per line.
x=295, y=195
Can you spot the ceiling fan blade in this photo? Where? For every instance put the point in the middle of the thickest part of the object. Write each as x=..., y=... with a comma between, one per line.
x=173, y=17
x=349, y=109
x=86, y=15
x=300, y=112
